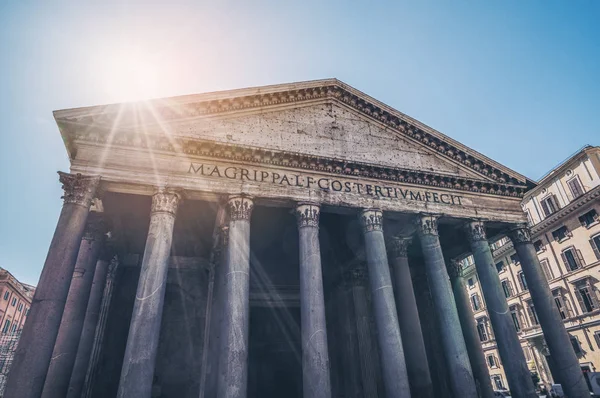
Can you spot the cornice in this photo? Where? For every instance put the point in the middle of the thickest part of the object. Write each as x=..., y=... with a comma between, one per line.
x=238, y=100
x=261, y=156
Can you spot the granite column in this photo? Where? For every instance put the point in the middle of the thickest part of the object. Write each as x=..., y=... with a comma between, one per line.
x=144, y=330
x=233, y=357
x=69, y=333
x=469, y=329
x=554, y=331
x=315, y=356
x=34, y=352
x=509, y=347
x=455, y=350
x=395, y=377
x=92, y=314
x=408, y=317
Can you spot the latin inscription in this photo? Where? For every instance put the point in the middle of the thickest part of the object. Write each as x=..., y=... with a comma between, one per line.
x=324, y=184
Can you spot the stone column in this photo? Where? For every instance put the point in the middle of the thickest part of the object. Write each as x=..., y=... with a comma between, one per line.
x=408, y=317
x=315, y=356
x=554, y=331
x=455, y=350
x=69, y=333
x=481, y=373
x=395, y=377
x=33, y=354
x=509, y=347
x=233, y=356
x=144, y=330
x=92, y=314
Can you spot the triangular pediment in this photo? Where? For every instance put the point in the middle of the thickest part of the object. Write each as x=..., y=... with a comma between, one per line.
x=323, y=119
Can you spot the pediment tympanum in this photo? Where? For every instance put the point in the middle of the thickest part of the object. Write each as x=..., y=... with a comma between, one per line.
x=324, y=131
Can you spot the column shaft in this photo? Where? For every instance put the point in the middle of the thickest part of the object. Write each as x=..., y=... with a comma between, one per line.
x=395, y=377
x=69, y=333
x=86, y=342
x=481, y=373
x=33, y=354
x=509, y=347
x=408, y=317
x=455, y=350
x=233, y=361
x=144, y=330
x=555, y=334
x=315, y=356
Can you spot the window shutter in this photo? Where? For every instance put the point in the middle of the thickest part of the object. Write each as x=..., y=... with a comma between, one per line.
x=567, y=307
x=520, y=282
x=545, y=208
x=595, y=248
x=555, y=202
x=594, y=296
x=530, y=315
x=579, y=258
x=580, y=300
x=596, y=217
x=582, y=221
x=564, y=258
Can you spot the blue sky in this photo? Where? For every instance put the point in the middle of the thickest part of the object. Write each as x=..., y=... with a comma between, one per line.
x=516, y=80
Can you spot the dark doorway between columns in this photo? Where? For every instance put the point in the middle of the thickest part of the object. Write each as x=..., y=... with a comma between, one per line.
x=275, y=352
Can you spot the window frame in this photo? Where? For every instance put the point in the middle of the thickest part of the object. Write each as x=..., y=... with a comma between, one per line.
x=515, y=315
x=482, y=331
x=595, y=218
x=581, y=188
x=577, y=258
x=595, y=243
x=545, y=264
x=494, y=364
x=522, y=281
x=475, y=302
x=551, y=200
x=508, y=287
x=567, y=234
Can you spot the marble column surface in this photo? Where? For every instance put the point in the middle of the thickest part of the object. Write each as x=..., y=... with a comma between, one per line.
x=33, y=354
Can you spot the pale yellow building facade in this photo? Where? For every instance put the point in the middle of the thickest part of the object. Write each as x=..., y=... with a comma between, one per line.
x=15, y=301
x=563, y=213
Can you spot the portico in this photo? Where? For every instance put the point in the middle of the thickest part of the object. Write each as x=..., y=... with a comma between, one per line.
x=257, y=233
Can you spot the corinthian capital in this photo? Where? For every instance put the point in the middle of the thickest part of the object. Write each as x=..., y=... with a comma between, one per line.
x=475, y=231
x=240, y=207
x=307, y=215
x=520, y=234
x=79, y=190
x=427, y=224
x=95, y=228
x=371, y=220
x=454, y=267
x=165, y=201
x=398, y=246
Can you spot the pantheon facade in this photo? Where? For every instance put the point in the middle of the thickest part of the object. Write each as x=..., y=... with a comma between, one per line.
x=295, y=240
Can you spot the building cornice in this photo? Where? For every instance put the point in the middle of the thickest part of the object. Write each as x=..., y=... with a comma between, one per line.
x=71, y=122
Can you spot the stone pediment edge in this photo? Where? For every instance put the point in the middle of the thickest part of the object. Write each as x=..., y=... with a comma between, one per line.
x=213, y=104
x=261, y=156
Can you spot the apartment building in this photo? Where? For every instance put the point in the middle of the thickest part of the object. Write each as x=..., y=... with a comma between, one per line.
x=563, y=213
x=15, y=301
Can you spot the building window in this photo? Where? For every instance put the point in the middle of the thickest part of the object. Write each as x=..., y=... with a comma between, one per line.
x=529, y=218
x=492, y=362
x=507, y=288
x=514, y=258
x=597, y=338
x=6, y=326
x=572, y=259
x=20, y=307
x=533, y=318
x=14, y=328
x=575, y=187
x=546, y=267
x=561, y=234
x=475, y=304
x=550, y=205
x=522, y=281
x=470, y=282
x=576, y=345
x=589, y=218
x=27, y=312
x=14, y=302
x=514, y=313
x=561, y=308
x=527, y=353
x=6, y=295
x=500, y=266
x=586, y=295
x=539, y=246
x=497, y=382
x=481, y=330
x=595, y=242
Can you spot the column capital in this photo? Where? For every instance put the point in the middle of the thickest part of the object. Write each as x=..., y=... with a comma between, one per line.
x=355, y=276
x=427, y=224
x=454, y=267
x=398, y=246
x=520, y=234
x=371, y=220
x=95, y=228
x=240, y=207
x=79, y=190
x=165, y=201
x=307, y=214
x=475, y=231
